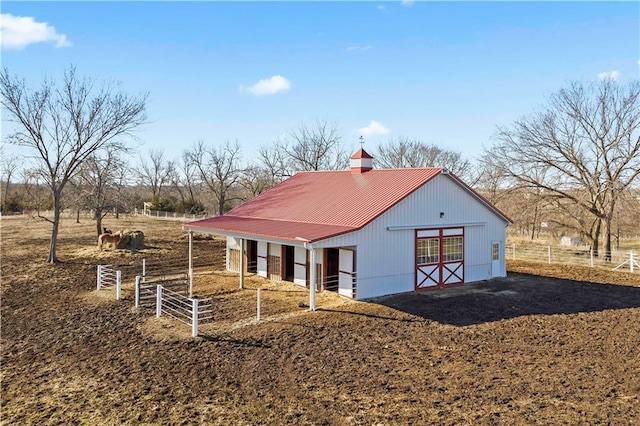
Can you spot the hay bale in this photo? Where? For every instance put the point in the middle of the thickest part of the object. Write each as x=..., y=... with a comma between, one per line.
x=132, y=240
x=137, y=240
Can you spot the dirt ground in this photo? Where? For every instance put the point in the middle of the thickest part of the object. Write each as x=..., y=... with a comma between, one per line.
x=527, y=349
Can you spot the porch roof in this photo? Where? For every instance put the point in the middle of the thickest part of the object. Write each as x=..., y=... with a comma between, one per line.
x=268, y=228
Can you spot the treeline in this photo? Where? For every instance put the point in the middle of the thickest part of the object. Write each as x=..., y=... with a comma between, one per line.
x=570, y=167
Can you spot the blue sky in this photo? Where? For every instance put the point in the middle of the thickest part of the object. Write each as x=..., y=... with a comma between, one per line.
x=443, y=72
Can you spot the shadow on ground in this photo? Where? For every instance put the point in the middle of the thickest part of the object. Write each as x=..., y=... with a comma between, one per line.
x=510, y=297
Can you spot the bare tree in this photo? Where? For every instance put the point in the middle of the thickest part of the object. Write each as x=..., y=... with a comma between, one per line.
x=584, y=146
x=156, y=173
x=273, y=163
x=186, y=183
x=36, y=195
x=404, y=152
x=98, y=178
x=492, y=182
x=9, y=164
x=65, y=125
x=219, y=169
x=314, y=148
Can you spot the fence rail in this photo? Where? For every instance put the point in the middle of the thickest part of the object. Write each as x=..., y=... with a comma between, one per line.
x=146, y=286
x=583, y=256
x=191, y=311
x=108, y=277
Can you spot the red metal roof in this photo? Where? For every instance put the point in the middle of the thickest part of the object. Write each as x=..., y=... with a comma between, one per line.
x=361, y=154
x=317, y=205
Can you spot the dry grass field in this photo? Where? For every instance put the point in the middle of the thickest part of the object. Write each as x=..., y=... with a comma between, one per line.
x=546, y=345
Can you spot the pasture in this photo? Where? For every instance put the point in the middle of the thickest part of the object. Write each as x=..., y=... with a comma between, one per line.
x=527, y=349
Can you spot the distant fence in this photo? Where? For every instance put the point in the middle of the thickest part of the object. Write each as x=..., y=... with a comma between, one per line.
x=582, y=256
x=159, y=214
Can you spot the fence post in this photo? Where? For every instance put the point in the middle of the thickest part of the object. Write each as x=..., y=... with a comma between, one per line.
x=194, y=317
x=549, y=253
x=258, y=306
x=144, y=266
x=98, y=279
x=137, y=296
x=118, y=285
x=158, y=301
x=514, y=251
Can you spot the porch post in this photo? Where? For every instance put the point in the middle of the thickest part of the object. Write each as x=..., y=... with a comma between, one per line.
x=190, y=263
x=242, y=262
x=312, y=278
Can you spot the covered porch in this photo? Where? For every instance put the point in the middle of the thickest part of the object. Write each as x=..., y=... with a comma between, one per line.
x=299, y=261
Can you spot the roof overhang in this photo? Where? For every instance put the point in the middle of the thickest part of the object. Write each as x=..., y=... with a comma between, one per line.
x=291, y=233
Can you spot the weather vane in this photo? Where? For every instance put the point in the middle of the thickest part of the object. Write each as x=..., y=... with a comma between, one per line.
x=361, y=141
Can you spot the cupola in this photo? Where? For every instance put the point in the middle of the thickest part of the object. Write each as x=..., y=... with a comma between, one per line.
x=361, y=162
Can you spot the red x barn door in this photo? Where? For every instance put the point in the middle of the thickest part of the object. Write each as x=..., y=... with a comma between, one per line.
x=439, y=257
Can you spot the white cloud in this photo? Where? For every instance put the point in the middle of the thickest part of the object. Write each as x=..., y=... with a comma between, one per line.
x=609, y=75
x=267, y=86
x=20, y=31
x=374, y=128
x=407, y=3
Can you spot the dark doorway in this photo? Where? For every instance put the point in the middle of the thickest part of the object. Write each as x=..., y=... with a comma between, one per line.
x=252, y=256
x=289, y=263
x=333, y=269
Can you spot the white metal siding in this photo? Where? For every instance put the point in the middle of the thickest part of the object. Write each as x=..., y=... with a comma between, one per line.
x=262, y=259
x=386, y=259
x=345, y=280
x=300, y=268
x=232, y=244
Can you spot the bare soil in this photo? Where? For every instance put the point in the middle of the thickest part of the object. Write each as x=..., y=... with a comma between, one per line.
x=527, y=349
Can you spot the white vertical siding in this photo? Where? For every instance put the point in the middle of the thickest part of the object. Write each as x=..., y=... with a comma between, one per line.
x=386, y=259
x=232, y=244
x=300, y=268
x=262, y=259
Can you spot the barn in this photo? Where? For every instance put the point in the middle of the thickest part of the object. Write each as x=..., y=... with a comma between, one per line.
x=365, y=232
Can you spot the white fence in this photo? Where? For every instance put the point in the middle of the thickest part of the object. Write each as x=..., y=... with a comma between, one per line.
x=108, y=277
x=169, y=294
x=192, y=311
x=582, y=256
x=159, y=214
x=146, y=286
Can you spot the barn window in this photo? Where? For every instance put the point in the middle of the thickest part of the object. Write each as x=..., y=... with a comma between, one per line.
x=495, y=251
x=428, y=251
x=452, y=249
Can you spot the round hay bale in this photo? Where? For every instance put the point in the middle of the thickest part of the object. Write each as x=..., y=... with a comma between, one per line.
x=132, y=240
x=137, y=240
